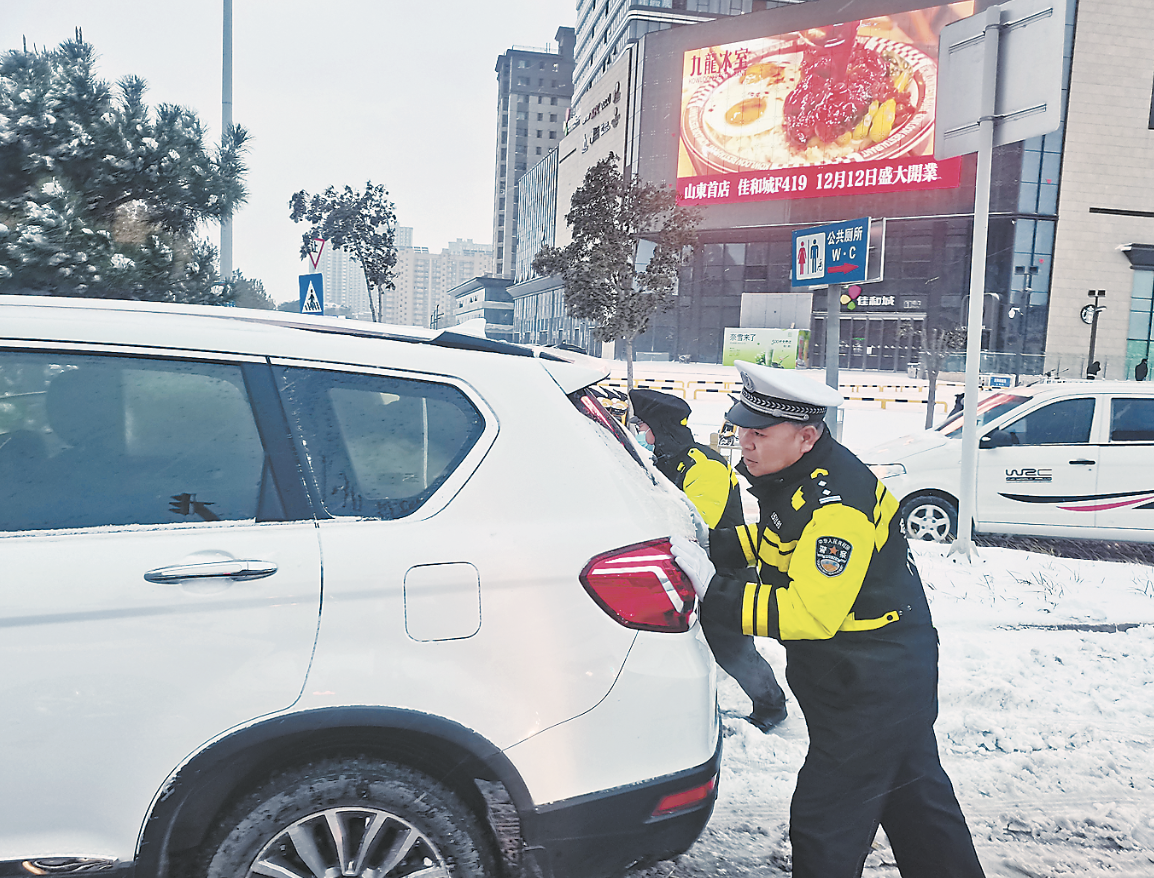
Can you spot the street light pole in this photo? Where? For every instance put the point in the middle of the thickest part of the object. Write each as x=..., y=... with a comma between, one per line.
x=226, y=124
x=1027, y=272
x=1096, y=295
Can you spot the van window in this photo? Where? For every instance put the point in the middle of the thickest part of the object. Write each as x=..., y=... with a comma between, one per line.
x=1132, y=420
x=1066, y=422
x=378, y=446
x=989, y=408
x=87, y=441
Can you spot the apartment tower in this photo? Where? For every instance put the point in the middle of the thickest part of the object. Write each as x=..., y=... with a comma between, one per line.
x=534, y=90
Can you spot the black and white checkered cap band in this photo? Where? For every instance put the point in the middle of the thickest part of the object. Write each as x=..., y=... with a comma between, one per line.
x=776, y=407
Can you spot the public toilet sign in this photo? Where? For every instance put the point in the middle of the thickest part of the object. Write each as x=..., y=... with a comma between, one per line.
x=836, y=253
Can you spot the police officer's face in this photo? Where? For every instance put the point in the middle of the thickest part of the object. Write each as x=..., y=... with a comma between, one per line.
x=771, y=449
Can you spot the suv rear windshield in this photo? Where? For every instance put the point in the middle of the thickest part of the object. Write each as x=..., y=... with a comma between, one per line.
x=590, y=406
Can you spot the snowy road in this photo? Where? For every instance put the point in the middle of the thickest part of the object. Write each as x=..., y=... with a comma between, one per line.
x=1047, y=732
x=1046, y=724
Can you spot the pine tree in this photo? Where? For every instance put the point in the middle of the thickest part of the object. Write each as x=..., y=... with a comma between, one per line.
x=248, y=293
x=363, y=224
x=616, y=221
x=99, y=194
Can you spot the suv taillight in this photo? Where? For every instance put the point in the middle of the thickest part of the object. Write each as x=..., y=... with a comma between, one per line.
x=641, y=587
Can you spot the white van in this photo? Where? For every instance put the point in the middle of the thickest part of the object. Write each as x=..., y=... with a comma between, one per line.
x=1065, y=459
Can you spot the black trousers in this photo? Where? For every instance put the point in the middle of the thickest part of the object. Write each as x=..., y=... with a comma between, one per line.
x=874, y=761
x=738, y=656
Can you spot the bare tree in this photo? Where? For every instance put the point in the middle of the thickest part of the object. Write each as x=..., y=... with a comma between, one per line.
x=937, y=344
x=361, y=223
x=615, y=218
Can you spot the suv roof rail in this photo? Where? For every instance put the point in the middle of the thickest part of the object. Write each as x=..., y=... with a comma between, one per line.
x=448, y=338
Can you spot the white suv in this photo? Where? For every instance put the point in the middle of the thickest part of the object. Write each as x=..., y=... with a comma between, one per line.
x=1063, y=459
x=292, y=596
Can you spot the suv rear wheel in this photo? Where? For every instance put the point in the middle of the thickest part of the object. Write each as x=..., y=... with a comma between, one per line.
x=928, y=517
x=352, y=817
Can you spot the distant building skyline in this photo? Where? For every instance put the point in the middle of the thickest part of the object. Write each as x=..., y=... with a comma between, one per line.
x=344, y=284
x=423, y=280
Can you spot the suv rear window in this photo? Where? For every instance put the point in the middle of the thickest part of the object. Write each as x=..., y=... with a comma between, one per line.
x=378, y=446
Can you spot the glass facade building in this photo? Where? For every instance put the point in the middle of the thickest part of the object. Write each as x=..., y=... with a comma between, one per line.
x=537, y=213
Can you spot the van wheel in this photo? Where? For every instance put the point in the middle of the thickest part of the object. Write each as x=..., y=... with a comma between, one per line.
x=927, y=517
x=350, y=817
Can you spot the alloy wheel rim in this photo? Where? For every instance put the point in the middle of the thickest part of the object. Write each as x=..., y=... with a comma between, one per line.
x=350, y=843
x=928, y=523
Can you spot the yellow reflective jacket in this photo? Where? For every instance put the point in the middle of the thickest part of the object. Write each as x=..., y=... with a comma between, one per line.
x=829, y=556
x=709, y=483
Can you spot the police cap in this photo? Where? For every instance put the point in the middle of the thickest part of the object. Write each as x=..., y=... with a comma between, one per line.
x=655, y=407
x=775, y=396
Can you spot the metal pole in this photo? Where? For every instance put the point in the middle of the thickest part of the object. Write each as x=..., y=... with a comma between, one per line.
x=963, y=545
x=225, y=125
x=1097, y=294
x=832, y=348
x=1025, y=336
x=1093, y=336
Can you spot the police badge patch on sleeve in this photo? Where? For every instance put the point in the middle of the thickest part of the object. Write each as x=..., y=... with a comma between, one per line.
x=832, y=555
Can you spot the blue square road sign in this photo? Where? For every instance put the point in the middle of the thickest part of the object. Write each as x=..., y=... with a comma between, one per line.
x=835, y=253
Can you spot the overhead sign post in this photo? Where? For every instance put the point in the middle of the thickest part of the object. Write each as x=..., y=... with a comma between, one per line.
x=1015, y=52
x=833, y=255
x=312, y=294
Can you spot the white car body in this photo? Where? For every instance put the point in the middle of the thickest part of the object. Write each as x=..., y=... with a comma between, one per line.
x=457, y=633
x=1086, y=471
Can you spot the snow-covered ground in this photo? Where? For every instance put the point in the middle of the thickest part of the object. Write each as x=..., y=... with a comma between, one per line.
x=1046, y=724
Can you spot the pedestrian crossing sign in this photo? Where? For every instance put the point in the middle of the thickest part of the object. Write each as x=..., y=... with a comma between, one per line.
x=312, y=294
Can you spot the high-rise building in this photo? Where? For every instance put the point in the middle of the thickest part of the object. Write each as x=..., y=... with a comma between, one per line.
x=534, y=89
x=345, y=290
x=423, y=279
x=606, y=27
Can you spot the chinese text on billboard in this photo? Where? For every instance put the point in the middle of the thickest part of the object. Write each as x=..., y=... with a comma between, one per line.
x=846, y=109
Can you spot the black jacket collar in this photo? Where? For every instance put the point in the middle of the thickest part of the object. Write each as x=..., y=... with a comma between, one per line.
x=762, y=486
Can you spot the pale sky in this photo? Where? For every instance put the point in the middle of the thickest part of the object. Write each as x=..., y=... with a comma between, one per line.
x=400, y=92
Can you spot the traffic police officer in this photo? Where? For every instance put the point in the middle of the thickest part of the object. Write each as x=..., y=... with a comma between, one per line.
x=834, y=581
x=709, y=483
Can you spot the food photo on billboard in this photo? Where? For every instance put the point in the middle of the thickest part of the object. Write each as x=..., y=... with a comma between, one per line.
x=841, y=109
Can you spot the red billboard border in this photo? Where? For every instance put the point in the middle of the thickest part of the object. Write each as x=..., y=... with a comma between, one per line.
x=907, y=174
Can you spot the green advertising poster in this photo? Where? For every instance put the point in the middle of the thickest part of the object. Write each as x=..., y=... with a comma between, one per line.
x=780, y=348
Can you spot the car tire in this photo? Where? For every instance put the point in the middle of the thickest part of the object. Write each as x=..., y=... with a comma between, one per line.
x=929, y=517
x=350, y=816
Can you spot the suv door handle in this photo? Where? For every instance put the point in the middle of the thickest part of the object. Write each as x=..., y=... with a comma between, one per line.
x=1083, y=462
x=238, y=571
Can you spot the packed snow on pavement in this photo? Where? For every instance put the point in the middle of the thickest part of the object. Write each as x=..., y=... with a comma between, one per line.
x=1046, y=722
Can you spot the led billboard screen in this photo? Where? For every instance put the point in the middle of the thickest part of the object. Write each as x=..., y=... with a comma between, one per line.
x=844, y=109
